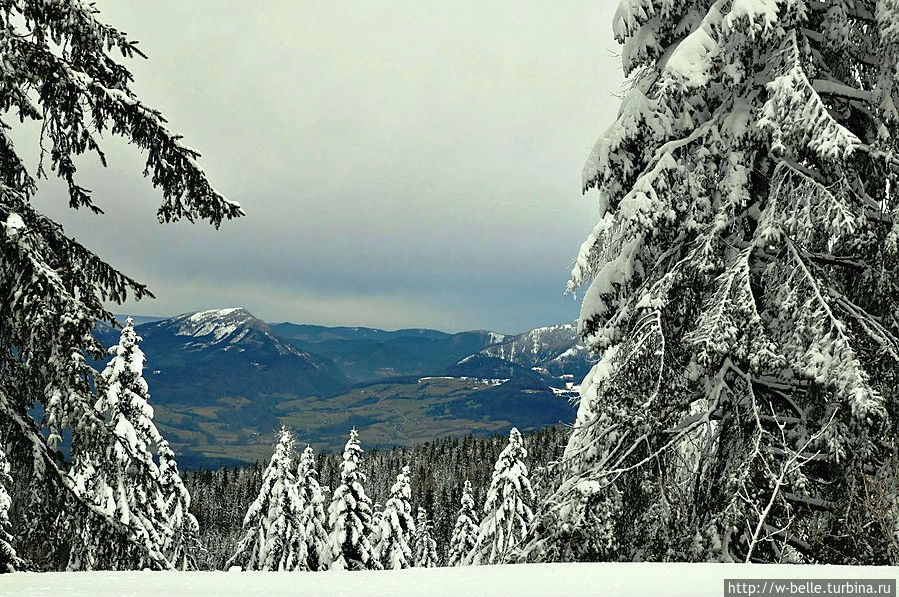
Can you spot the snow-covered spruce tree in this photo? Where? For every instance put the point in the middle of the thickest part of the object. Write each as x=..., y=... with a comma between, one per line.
x=318, y=550
x=9, y=561
x=465, y=533
x=124, y=478
x=507, y=509
x=425, y=545
x=397, y=527
x=183, y=545
x=377, y=518
x=60, y=70
x=274, y=529
x=349, y=514
x=743, y=289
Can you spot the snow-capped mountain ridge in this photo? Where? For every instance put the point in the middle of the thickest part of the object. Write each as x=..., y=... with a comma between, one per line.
x=228, y=373
x=199, y=357
x=554, y=349
x=228, y=327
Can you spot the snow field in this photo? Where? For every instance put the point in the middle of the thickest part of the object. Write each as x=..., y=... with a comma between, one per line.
x=525, y=580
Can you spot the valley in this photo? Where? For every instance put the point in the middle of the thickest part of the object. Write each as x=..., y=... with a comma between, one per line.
x=222, y=382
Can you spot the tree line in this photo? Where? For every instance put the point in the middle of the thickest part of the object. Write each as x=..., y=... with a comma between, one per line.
x=436, y=473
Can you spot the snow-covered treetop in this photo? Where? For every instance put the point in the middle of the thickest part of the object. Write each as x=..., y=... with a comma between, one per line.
x=352, y=452
x=307, y=462
x=510, y=480
x=514, y=451
x=401, y=489
x=467, y=499
x=276, y=478
x=124, y=394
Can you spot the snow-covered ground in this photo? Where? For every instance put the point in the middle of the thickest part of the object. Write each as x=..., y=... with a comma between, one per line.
x=543, y=580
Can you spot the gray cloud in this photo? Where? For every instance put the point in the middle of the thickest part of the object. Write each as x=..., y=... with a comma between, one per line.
x=401, y=163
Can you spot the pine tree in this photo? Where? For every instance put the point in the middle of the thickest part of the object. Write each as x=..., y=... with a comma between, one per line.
x=60, y=70
x=349, y=514
x=425, y=546
x=465, y=533
x=742, y=290
x=507, y=511
x=318, y=549
x=397, y=526
x=275, y=531
x=9, y=561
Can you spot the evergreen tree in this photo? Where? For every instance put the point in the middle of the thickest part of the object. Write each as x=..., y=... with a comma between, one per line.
x=183, y=545
x=221, y=497
x=396, y=526
x=377, y=519
x=275, y=533
x=318, y=549
x=124, y=478
x=9, y=561
x=507, y=513
x=60, y=70
x=350, y=514
x=465, y=533
x=425, y=545
x=742, y=290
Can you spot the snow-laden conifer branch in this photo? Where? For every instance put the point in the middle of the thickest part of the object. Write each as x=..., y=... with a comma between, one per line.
x=58, y=70
x=746, y=254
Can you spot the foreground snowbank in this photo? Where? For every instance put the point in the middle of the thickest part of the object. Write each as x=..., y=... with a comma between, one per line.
x=543, y=580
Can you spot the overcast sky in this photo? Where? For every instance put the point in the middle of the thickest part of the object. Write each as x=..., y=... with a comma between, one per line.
x=404, y=163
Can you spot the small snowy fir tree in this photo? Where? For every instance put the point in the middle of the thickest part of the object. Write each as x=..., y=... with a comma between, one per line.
x=742, y=289
x=465, y=533
x=377, y=517
x=123, y=478
x=184, y=542
x=318, y=549
x=507, y=510
x=425, y=545
x=274, y=530
x=397, y=527
x=349, y=514
x=68, y=76
x=9, y=561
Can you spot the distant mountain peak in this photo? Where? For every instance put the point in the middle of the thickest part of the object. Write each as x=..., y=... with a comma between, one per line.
x=212, y=322
x=554, y=349
x=224, y=326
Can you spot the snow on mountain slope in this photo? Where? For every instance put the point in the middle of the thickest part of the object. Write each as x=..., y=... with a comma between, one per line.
x=216, y=322
x=226, y=327
x=200, y=357
x=535, y=346
x=519, y=580
x=554, y=349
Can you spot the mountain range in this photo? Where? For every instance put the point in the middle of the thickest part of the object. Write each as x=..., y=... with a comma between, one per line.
x=222, y=381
